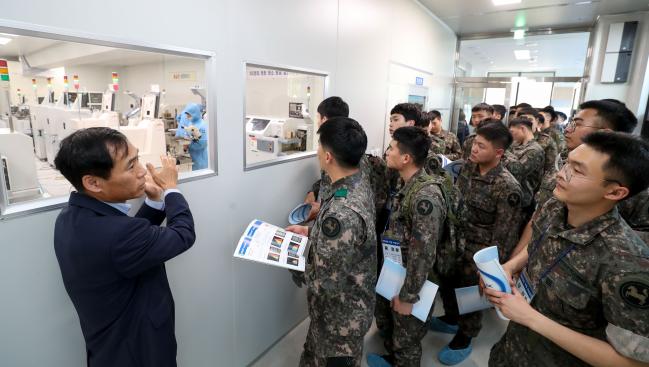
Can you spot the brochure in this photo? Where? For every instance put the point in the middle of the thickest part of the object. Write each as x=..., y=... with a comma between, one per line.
x=469, y=300
x=268, y=244
x=390, y=282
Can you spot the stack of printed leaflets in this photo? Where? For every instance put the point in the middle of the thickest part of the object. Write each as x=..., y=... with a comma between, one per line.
x=268, y=244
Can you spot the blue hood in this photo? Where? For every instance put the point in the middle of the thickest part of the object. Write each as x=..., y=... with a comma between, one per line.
x=193, y=109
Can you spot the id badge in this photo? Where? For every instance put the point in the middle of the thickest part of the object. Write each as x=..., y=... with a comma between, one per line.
x=392, y=250
x=525, y=286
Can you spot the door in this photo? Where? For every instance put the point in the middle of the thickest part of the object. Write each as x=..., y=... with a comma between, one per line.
x=469, y=94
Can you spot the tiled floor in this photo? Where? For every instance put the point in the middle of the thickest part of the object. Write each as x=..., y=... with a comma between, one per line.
x=287, y=351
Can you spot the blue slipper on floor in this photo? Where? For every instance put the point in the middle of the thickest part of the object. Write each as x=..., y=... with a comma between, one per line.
x=375, y=360
x=440, y=326
x=452, y=357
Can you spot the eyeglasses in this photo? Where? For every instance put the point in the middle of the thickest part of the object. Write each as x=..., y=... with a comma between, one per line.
x=572, y=125
x=569, y=172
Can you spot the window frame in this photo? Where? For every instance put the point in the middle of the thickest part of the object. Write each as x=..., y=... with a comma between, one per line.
x=9, y=211
x=291, y=69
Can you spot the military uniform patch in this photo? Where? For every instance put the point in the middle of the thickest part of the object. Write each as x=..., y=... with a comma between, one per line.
x=635, y=294
x=433, y=164
x=331, y=227
x=424, y=207
x=514, y=199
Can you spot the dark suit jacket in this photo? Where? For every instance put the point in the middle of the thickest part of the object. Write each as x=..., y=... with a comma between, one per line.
x=113, y=270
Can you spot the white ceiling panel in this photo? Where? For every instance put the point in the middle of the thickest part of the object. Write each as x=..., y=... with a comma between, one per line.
x=467, y=17
x=564, y=54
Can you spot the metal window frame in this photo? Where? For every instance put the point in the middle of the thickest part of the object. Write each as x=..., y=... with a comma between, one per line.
x=10, y=211
x=504, y=82
x=288, y=68
x=584, y=79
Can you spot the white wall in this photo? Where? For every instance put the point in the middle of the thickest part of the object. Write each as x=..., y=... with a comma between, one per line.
x=91, y=79
x=139, y=78
x=270, y=95
x=372, y=35
x=634, y=91
x=227, y=311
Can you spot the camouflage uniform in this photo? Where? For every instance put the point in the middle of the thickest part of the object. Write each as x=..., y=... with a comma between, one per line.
x=548, y=183
x=599, y=287
x=417, y=219
x=392, y=178
x=450, y=145
x=375, y=172
x=341, y=274
x=437, y=145
x=373, y=169
x=556, y=135
x=433, y=167
x=525, y=162
x=488, y=207
x=550, y=148
x=466, y=147
x=635, y=211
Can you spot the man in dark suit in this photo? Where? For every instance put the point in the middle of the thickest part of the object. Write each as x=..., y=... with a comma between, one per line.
x=112, y=264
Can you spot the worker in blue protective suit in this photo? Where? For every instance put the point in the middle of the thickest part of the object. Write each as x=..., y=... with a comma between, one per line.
x=191, y=126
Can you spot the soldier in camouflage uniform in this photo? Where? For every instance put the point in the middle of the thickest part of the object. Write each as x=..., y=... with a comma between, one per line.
x=595, y=115
x=488, y=208
x=443, y=142
x=402, y=114
x=418, y=213
x=479, y=112
x=557, y=137
x=433, y=166
x=525, y=161
x=550, y=127
x=341, y=263
x=544, y=140
x=372, y=168
x=587, y=273
x=328, y=108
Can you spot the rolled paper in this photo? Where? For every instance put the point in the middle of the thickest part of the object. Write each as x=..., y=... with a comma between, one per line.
x=300, y=214
x=491, y=272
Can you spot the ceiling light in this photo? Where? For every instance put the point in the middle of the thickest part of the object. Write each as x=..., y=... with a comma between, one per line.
x=522, y=54
x=584, y=3
x=4, y=41
x=505, y=2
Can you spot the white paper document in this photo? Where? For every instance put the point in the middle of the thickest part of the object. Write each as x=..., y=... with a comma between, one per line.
x=491, y=272
x=390, y=282
x=469, y=300
x=445, y=160
x=268, y=244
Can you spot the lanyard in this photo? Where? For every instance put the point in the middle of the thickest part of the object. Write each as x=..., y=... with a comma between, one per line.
x=556, y=261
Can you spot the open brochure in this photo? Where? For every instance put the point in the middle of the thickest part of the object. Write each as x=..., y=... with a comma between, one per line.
x=390, y=282
x=268, y=244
